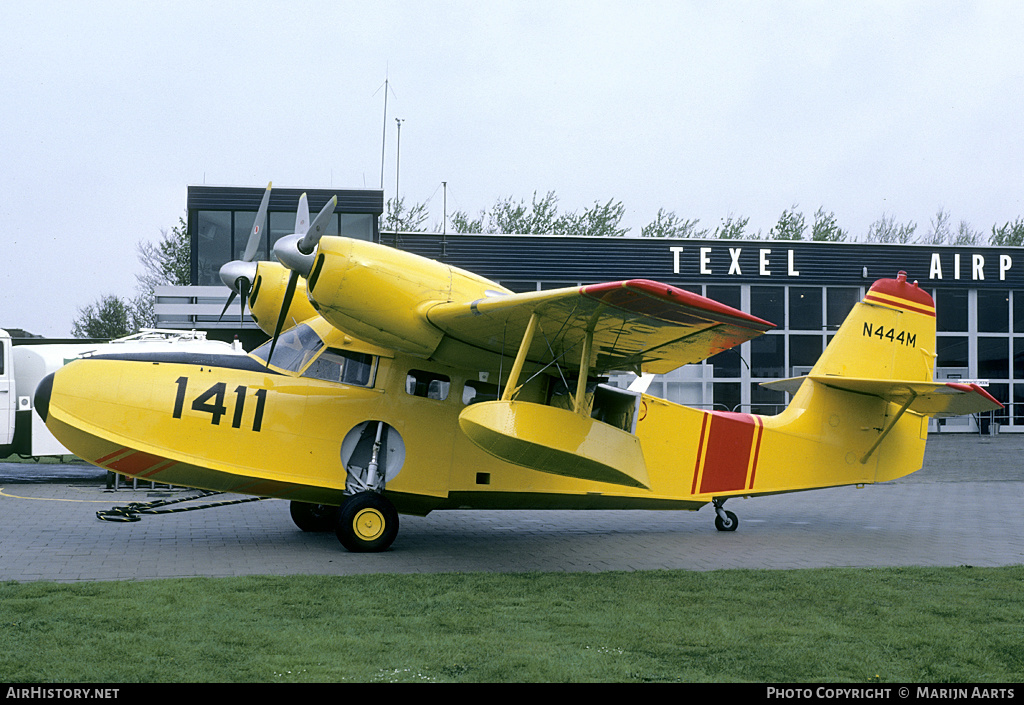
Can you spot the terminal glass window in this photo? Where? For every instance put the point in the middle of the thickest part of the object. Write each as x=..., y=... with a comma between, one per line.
x=951, y=351
x=214, y=244
x=727, y=363
x=1018, y=312
x=727, y=396
x=1018, y=404
x=358, y=226
x=728, y=295
x=804, y=308
x=993, y=358
x=993, y=311
x=766, y=401
x=804, y=350
x=839, y=301
x=243, y=228
x=951, y=310
x=768, y=303
x=768, y=356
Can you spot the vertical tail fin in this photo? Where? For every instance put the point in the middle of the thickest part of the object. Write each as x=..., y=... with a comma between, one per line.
x=890, y=335
x=872, y=388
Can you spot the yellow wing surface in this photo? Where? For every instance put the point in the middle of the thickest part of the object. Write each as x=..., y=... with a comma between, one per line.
x=636, y=324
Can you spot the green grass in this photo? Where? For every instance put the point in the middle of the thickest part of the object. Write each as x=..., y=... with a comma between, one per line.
x=834, y=625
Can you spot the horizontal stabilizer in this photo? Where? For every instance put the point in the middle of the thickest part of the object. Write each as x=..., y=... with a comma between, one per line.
x=929, y=398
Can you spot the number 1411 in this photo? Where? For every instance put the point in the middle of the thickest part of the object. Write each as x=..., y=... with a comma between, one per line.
x=212, y=402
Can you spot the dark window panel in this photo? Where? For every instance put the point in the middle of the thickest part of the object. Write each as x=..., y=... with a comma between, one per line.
x=993, y=311
x=804, y=308
x=768, y=303
x=951, y=310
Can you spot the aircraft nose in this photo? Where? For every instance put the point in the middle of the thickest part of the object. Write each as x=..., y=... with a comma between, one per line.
x=42, y=398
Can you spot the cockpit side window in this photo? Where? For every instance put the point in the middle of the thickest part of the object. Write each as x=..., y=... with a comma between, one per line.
x=295, y=348
x=342, y=366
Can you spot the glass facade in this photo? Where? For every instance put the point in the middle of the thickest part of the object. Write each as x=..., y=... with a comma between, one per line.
x=221, y=236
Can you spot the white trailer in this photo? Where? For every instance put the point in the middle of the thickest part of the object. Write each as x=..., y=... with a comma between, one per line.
x=23, y=367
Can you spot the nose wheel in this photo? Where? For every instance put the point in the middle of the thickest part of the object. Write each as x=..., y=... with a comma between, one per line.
x=724, y=519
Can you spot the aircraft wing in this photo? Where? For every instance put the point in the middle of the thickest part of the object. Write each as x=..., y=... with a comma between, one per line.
x=637, y=324
x=938, y=399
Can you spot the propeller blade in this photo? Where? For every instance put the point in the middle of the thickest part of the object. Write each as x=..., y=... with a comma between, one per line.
x=243, y=287
x=293, y=279
x=302, y=216
x=230, y=299
x=318, y=227
x=257, y=227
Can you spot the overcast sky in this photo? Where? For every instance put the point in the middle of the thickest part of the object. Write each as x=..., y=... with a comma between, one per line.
x=109, y=110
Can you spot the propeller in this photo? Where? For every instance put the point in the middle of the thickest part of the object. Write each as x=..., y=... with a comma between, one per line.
x=238, y=275
x=295, y=251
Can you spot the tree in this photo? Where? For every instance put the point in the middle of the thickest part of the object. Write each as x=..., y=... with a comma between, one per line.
x=109, y=317
x=540, y=217
x=940, y=233
x=670, y=225
x=399, y=219
x=825, y=228
x=598, y=221
x=966, y=235
x=886, y=230
x=1009, y=235
x=731, y=229
x=166, y=262
x=791, y=226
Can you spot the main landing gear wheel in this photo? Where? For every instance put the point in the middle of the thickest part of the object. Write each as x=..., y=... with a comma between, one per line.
x=314, y=517
x=729, y=523
x=724, y=519
x=367, y=522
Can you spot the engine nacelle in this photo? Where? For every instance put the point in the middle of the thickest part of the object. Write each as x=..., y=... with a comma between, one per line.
x=267, y=295
x=382, y=295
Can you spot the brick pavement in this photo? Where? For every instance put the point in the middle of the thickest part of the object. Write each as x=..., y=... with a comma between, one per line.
x=49, y=531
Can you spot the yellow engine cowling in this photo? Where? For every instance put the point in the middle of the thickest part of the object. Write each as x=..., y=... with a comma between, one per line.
x=348, y=277
x=268, y=294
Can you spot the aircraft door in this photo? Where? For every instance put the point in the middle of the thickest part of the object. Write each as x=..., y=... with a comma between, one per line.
x=8, y=400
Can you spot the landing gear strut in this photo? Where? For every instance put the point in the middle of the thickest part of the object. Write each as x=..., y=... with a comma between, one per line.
x=724, y=519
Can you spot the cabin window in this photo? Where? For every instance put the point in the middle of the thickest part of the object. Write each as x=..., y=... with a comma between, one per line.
x=295, y=348
x=475, y=392
x=343, y=367
x=427, y=384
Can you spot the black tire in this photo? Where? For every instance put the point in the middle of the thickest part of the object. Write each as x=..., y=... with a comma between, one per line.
x=367, y=523
x=728, y=525
x=314, y=517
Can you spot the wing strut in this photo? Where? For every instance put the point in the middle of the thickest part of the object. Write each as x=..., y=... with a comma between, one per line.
x=581, y=385
x=517, y=366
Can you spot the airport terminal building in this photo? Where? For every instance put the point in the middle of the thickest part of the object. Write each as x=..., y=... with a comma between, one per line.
x=805, y=288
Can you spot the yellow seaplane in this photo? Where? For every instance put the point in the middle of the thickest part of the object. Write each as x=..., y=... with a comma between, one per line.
x=393, y=384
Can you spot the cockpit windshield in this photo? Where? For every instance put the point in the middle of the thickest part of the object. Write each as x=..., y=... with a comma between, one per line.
x=295, y=348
